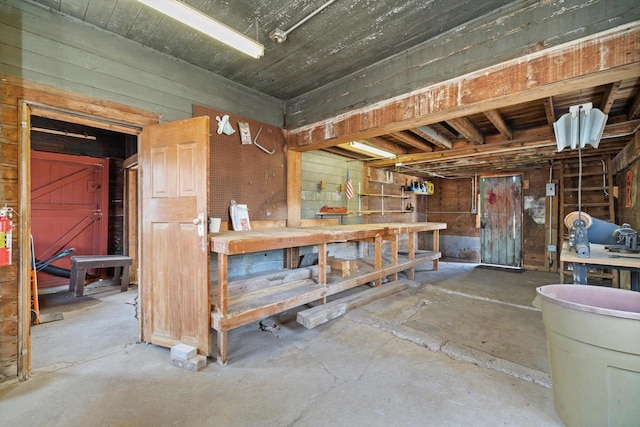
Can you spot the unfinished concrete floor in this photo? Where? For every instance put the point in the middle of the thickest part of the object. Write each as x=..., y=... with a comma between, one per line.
x=463, y=348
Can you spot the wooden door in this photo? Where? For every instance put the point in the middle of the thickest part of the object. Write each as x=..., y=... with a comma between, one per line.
x=69, y=202
x=174, y=282
x=501, y=220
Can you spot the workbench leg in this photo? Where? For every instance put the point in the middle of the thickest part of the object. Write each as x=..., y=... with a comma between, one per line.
x=394, y=255
x=412, y=254
x=222, y=348
x=579, y=273
x=436, y=247
x=378, y=258
x=322, y=269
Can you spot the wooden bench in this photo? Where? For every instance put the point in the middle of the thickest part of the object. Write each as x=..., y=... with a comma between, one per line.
x=80, y=264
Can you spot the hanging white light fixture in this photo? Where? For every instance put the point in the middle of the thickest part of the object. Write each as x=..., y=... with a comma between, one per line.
x=199, y=21
x=581, y=126
x=369, y=149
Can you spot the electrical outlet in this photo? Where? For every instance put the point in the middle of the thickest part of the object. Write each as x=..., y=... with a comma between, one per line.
x=551, y=188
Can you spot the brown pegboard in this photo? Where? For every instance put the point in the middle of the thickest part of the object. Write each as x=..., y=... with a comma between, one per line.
x=245, y=173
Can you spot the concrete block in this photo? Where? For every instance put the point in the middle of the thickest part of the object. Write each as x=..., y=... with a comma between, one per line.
x=183, y=352
x=194, y=364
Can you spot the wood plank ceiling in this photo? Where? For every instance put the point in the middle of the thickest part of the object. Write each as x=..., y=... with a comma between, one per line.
x=346, y=37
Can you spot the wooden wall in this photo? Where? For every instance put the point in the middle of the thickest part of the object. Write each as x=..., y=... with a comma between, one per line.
x=626, y=167
x=453, y=203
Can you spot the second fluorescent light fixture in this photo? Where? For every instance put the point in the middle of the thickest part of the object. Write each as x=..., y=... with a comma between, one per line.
x=209, y=26
x=371, y=150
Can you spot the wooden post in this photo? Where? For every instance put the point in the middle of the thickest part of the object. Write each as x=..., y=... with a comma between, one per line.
x=222, y=348
x=394, y=253
x=222, y=283
x=378, y=257
x=412, y=254
x=436, y=247
x=294, y=188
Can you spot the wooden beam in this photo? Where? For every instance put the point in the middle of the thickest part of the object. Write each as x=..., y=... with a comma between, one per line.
x=432, y=135
x=535, y=138
x=346, y=153
x=386, y=145
x=467, y=129
x=548, y=109
x=413, y=140
x=609, y=96
x=594, y=60
x=318, y=315
x=629, y=154
x=634, y=111
x=498, y=121
x=294, y=188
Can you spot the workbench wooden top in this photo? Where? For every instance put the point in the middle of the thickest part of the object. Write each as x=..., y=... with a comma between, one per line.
x=600, y=256
x=238, y=242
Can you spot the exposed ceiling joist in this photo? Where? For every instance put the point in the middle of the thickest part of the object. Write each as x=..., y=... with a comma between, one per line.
x=412, y=140
x=464, y=126
x=387, y=145
x=498, y=121
x=548, y=109
x=609, y=96
x=634, y=111
x=432, y=135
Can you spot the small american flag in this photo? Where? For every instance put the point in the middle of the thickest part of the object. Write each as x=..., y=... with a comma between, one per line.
x=348, y=192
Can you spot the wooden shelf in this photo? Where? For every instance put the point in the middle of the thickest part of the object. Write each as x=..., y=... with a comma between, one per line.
x=245, y=307
x=386, y=211
x=247, y=299
x=334, y=213
x=399, y=196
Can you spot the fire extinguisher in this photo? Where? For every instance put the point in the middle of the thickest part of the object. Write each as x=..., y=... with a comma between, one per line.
x=6, y=225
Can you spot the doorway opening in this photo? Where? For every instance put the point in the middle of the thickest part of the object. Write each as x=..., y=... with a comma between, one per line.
x=78, y=195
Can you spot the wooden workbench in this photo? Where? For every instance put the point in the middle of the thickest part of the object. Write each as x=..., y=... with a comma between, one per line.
x=599, y=257
x=233, y=308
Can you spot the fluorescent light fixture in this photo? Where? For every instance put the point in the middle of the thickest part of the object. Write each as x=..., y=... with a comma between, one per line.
x=209, y=26
x=581, y=126
x=371, y=150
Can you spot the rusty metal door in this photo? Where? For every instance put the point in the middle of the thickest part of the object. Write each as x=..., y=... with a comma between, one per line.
x=501, y=220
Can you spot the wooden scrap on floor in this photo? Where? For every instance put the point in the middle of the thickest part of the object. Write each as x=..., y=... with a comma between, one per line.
x=343, y=267
x=323, y=313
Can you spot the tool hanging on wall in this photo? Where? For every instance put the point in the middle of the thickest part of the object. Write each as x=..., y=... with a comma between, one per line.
x=245, y=133
x=255, y=141
x=224, y=126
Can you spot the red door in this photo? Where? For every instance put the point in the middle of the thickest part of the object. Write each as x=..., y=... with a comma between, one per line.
x=69, y=206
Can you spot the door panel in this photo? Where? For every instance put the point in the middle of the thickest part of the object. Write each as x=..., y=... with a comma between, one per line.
x=68, y=197
x=174, y=282
x=501, y=225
